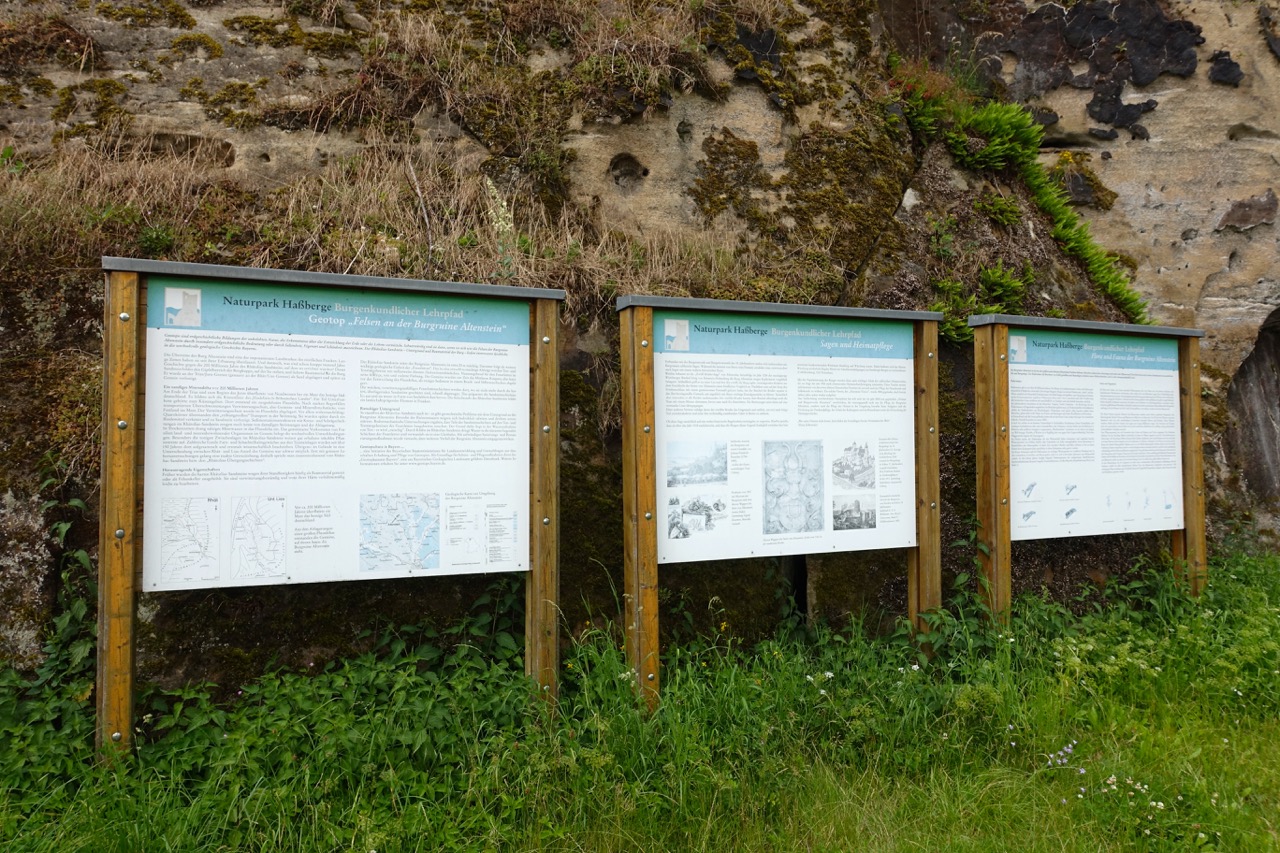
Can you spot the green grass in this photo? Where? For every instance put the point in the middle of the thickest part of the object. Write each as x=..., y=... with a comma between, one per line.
x=1026, y=737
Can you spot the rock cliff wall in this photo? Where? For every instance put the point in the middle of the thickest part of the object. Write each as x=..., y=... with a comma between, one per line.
x=773, y=151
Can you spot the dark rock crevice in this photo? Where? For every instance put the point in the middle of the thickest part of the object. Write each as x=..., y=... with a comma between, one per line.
x=1253, y=437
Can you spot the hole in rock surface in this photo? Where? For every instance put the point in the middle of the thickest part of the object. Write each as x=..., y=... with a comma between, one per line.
x=627, y=172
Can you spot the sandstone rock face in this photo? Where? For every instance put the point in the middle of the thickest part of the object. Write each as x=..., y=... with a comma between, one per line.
x=1211, y=148
x=635, y=175
x=1195, y=189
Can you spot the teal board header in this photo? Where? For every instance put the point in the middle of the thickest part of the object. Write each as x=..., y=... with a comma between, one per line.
x=288, y=309
x=706, y=332
x=1050, y=348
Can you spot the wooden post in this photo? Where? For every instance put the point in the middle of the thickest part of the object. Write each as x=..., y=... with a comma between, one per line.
x=991, y=407
x=542, y=591
x=639, y=498
x=119, y=535
x=1188, y=545
x=924, y=561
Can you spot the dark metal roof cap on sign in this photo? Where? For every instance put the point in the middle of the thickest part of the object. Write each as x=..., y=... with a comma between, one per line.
x=682, y=303
x=326, y=279
x=1082, y=326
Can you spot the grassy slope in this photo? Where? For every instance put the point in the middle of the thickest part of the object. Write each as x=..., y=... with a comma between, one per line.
x=822, y=742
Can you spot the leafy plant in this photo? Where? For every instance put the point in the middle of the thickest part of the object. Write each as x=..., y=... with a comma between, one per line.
x=994, y=136
x=955, y=305
x=1000, y=210
x=156, y=239
x=1001, y=290
x=1004, y=136
x=942, y=235
x=929, y=98
x=9, y=161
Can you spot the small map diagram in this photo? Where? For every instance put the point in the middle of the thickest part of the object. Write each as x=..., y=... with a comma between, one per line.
x=258, y=538
x=399, y=533
x=189, y=539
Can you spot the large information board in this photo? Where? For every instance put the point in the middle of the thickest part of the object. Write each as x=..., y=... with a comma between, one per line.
x=784, y=434
x=299, y=434
x=1095, y=439
x=752, y=429
x=276, y=426
x=1085, y=428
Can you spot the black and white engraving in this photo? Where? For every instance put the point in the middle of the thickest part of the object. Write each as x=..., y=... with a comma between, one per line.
x=854, y=512
x=793, y=487
x=696, y=515
x=854, y=468
x=697, y=463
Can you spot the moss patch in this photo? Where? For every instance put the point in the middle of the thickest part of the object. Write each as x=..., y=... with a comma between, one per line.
x=287, y=32
x=843, y=186
x=192, y=44
x=835, y=200
x=731, y=178
x=1081, y=184
x=148, y=13
x=227, y=105
x=31, y=40
x=97, y=100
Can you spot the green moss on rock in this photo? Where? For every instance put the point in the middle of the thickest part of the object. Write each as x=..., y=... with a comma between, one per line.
x=192, y=44
x=836, y=197
x=148, y=13
x=1081, y=183
x=99, y=99
x=228, y=104
x=731, y=178
x=287, y=32
x=843, y=186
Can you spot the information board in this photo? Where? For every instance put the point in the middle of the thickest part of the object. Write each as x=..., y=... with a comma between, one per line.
x=298, y=434
x=1095, y=441
x=782, y=434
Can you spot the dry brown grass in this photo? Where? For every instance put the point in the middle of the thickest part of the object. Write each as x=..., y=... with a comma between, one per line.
x=34, y=37
x=394, y=210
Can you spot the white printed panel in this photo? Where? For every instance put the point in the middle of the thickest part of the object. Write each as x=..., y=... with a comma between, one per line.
x=782, y=435
x=305, y=434
x=1094, y=435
